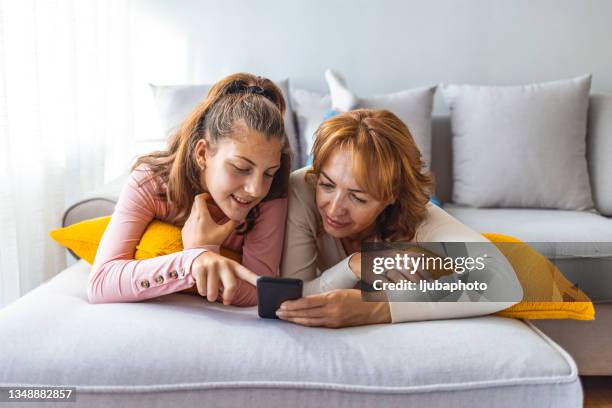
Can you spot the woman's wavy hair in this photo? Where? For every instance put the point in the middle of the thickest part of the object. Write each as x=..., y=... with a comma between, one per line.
x=386, y=163
x=253, y=100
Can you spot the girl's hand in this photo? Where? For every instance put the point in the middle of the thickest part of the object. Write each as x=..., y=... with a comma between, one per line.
x=201, y=229
x=214, y=273
x=337, y=308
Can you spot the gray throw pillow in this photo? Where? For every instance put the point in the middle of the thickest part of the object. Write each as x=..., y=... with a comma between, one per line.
x=413, y=107
x=175, y=102
x=521, y=146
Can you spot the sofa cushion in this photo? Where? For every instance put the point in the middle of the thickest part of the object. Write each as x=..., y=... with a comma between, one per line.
x=578, y=243
x=521, y=146
x=567, y=229
x=175, y=102
x=412, y=106
x=180, y=350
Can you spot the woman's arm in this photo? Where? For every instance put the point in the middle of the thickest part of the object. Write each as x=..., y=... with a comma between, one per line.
x=115, y=275
x=339, y=309
x=262, y=248
x=503, y=287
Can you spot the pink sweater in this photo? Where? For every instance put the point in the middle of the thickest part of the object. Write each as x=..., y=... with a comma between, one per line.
x=117, y=277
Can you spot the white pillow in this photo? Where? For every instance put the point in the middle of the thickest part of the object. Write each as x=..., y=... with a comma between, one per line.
x=175, y=102
x=521, y=146
x=310, y=109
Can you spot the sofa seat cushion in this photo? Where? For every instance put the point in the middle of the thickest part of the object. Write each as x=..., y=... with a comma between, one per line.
x=573, y=233
x=180, y=350
x=578, y=243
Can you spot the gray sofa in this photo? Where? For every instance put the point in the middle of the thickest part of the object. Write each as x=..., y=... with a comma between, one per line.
x=590, y=268
x=179, y=350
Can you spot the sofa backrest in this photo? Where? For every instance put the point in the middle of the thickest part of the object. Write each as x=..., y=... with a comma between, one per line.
x=599, y=153
x=442, y=157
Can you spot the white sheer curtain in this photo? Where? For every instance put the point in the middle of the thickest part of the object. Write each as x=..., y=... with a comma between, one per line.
x=66, y=123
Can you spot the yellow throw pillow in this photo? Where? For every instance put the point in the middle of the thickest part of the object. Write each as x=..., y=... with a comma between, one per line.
x=159, y=238
x=84, y=237
x=536, y=273
x=541, y=279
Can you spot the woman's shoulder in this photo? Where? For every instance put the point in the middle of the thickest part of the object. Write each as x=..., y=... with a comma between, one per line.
x=439, y=226
x=300, y=187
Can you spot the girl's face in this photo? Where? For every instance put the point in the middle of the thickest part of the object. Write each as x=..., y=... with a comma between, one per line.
x=239, y=170
x=346, y=210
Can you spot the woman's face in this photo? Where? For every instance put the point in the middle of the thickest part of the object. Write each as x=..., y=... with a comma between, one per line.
x=239, y=170
x=346, y=210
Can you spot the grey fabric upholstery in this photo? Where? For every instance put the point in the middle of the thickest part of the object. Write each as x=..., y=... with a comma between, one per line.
x=521, y=146
x=180, y=351
x=599, y=151
x=539, y=225
x=579, y=243
x=442, y=157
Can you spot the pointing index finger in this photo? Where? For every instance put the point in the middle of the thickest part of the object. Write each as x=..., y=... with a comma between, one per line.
x=246, y=274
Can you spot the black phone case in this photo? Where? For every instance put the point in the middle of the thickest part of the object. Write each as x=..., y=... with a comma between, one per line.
x=271, y=292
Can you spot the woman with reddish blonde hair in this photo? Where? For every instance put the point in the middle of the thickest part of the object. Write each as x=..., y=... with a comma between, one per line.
x=367, y=183
x=223, y=179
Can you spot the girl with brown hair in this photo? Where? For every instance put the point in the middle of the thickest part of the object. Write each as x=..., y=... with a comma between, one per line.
x=368, y=184
x=223, y=179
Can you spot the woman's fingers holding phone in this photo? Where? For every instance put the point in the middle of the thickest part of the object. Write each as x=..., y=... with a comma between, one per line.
x=308, y=311
x=307, y=302
x=337, y=308
x=314, y=312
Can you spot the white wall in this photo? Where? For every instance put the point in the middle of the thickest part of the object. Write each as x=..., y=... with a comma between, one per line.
x=380, y=46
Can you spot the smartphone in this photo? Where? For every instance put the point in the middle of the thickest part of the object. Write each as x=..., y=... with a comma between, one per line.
x=271, y=292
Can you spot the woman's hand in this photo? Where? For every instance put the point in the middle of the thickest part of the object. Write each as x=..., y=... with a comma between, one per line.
x=337, y=308
x=201, y=229
x=215, y=273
